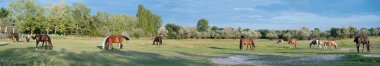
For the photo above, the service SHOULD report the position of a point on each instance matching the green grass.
(184, 52)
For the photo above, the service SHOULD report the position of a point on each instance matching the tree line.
(202, 30)
(76, 19)
(29, 17)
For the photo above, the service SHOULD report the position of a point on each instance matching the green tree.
(202, 25)
(148, 21)
(26, 14)
(173, 31)
(82, 19)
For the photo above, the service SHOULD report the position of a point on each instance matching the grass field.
(185, 52)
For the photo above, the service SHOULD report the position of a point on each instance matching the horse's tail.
(126, 38)
(104, 42)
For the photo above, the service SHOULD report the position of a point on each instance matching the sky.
(253, 14)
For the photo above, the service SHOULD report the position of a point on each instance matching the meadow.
(185, 52)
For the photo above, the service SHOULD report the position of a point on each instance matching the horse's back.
(247, 41)
(292, 41)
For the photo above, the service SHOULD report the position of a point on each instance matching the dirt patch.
(272, 59)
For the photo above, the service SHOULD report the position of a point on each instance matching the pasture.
(185, 52)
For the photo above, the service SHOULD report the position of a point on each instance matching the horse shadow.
(17, 56)
(221, 48)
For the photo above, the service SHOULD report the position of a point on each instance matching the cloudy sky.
(254, 14)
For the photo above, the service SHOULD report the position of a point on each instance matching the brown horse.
(114, 39)
(362, 40)
(27, 38)
(316, 42)
(330, 43)
(293, 42)
(45, 39)
(157, 40)
(247, 42)
(14, 37)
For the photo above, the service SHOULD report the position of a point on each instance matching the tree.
(26, 14)
(364, 31)
(82, 19)
(173, 31)
(272, 35)
(202, 25)
(148, 21)
(304, 33)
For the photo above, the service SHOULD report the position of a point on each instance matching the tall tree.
(82, 18)
(202, 25)
(148, 21)
(25, 14)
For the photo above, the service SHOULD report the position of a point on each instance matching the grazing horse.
(362, 40)
(27, 38)
(114, 39)
(293, 42)
(280, 41)
(247, 42)
(14, 37)
(157, 40)
(316, 42)
(44, 39)
(330, 43)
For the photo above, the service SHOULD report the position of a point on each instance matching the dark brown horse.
(247, 42)
(114, 39)
(293, 42)
(27, 38)
(157, 40)
(45, 39)
(362, 40)
(14, 37)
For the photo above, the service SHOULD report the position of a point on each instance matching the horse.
(27, 38)
(293, 42)
(247, 42)
(44, 39)
(330, 43)
(362, 40)
(14, 37)
(280, 41)
(114, 39)
(157, 40)
(316, 42)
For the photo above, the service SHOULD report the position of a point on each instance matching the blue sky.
(254, 14)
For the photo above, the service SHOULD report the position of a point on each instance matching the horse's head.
(33, 37)
(126, 38)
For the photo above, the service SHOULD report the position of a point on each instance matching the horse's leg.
(357, 46)
(37, 44)
(310, 45)
(368, 47)
(251, 46)
(240, 45)
(154, 42)
(160, 42)
(363, 48)
(121, 45)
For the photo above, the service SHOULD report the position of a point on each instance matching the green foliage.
(3, 12)
(148, 21)
(202, 25)
(173, 31)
